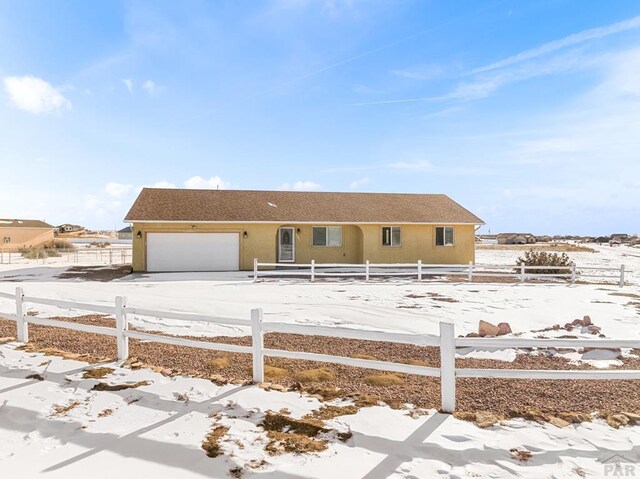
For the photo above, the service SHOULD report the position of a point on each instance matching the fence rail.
(420, 270)
(110, 255)
(445, 341)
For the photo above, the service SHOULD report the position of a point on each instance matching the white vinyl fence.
(446, 341)
(109, 255)
(422, 270)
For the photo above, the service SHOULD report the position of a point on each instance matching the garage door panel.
(193, 252)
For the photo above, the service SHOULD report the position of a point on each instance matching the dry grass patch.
(105, 413)
(118, 387)
(314, 375)
(415, 362)
(272, 372)
(219, 363)
(211, 443)
(364, 356)
(292, 435)
(385, 379)
(329, 412)
(97, 373)
(35, 376)
(64, 410)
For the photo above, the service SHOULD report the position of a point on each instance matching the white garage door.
(193, 252)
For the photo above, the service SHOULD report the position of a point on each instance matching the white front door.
(286, 245)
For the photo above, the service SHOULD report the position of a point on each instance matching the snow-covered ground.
(152, 432)
(393, 305)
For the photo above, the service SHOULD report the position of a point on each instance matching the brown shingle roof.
(154, 204)
(15, 223)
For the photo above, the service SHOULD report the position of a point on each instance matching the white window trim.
(391, 238)
(326, 238)
(444, 237)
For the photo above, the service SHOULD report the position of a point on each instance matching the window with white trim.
(444, 236)
(326, 235)
(7, 239)
(391, 236)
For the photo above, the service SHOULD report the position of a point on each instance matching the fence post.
(573, 273)
(313, 270)
(366, 271)
(255, 269)
(470, 277)
(110, 256)
(621, 275)
(258, 344)
(522, 272)
(21, 323)
(448, 367)
(419, 270)
(122, 325)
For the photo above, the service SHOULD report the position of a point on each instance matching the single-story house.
(69, 228)
(17, 234)
(125, 233)
(224, 230)
(516, 238)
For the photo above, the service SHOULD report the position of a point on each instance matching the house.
(516, 238)
(224, 230)
(125, 233)
(68, 228)
(17, 234)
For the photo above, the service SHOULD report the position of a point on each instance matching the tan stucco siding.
(23, 237)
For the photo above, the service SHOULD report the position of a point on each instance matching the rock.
(136, 365)
(633, 417)
(278, 387)
(166, 372)
(617, 420)
(7, 339)
(574, 417)
(555, 327)
(586, 321)
(237, 382)
(577, 322)
(264, 385)
(557, 422)
(473, 335)
(218, 379)
(568, 326)
(485, 419)
(504, 328)
(593, 329)
(487, 329)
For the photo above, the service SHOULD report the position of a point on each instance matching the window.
(444, 236)
(327, 236)
(7, 239)
(391, 236)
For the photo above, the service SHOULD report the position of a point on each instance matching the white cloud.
(35, 95)
(150, 87)
(357, 184)
(301, 186)
(576, 38)
(129, 84)
(422, 72)
(200, 183)
(163, 184)
(117, 190)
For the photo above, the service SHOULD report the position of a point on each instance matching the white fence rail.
(421, 270)
(446, 341)
(109, 255)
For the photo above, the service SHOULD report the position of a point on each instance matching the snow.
(151, 433)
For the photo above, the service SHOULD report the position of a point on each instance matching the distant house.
(224, 230)
(68, 228)
(17, 234)
(125, 233)
(516, 238)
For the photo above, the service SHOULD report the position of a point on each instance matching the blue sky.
(527, 113)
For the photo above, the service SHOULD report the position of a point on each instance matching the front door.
(286, 245)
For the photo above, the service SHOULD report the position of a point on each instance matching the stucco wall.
(359, 243)
(23, 237)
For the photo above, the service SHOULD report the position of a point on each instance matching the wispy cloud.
(421, 72)
(35, 95)
(359, 183)
(568, 41)
(118, 190)
(129, 84)
(427, 166)
(150, 87)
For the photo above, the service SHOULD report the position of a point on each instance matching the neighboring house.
(17, 234)
(516, 238)
(125, 233)
(68, 228)
(224, 230)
